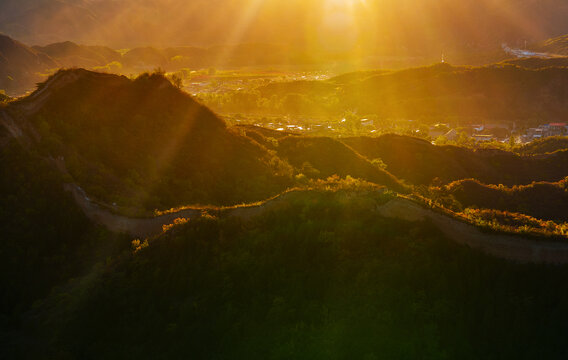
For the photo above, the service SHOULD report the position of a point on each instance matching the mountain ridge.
(20, 65)
(159, 140)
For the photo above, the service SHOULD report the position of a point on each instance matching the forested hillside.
(323, 276)
(46, 239)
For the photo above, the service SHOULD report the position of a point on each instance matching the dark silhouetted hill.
(538, 62)
(145, 143)
(557, 45)
(20, 66)
(324, 269)
(542, 200)
(46, 239)
(69, 54)
(420, 162)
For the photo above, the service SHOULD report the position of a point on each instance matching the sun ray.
(246, 18)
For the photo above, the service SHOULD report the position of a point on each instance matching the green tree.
(177, 80)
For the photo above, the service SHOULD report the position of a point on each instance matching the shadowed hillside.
(46, 239)
(542, 200)
(145, 143)
(321, 157)
(546, 145)
(557, 45)
(20, 65)
(538, 63)
(323, 276)
(420, 162)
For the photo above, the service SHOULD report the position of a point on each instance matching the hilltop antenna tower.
(443, 58)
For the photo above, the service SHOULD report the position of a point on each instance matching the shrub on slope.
(322, 157)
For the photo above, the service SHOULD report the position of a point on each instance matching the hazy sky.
(331, 25)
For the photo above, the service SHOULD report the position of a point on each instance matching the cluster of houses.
(479, 133)
(317, 128)
(291, 128)
(499, 132)
(547, 130)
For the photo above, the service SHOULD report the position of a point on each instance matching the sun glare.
(339, 30)
(348, 2)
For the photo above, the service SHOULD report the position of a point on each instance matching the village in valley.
(440, 133)
(219, 89)
(501, 132)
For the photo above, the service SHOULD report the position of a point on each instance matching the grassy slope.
(331, 157)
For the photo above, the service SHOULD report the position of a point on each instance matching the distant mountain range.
(22, 66)
(535, 93)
